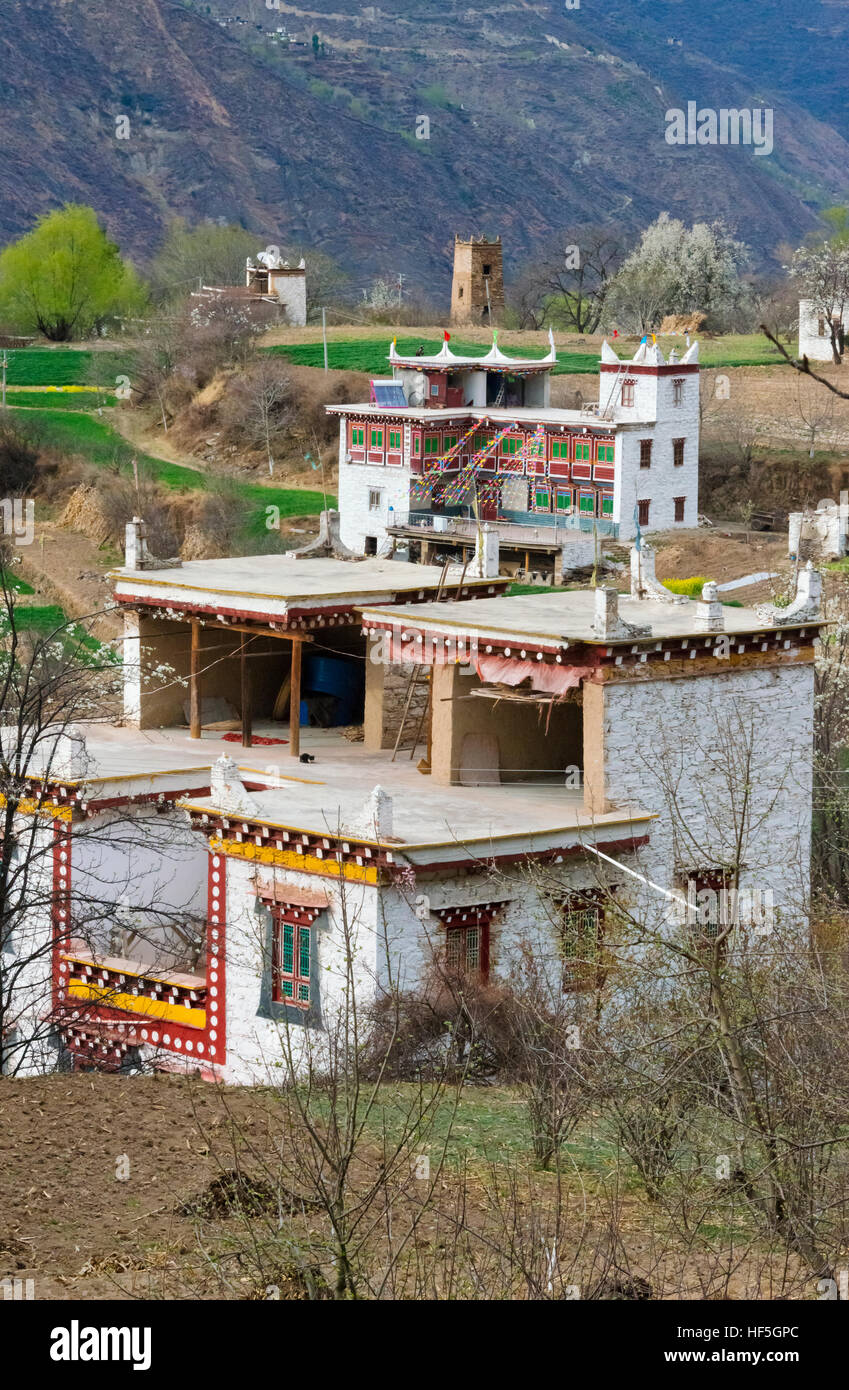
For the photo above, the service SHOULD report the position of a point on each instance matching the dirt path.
(67, 568)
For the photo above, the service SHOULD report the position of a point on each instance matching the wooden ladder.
(420, 675)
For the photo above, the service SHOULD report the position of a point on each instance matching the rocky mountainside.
(303, 123)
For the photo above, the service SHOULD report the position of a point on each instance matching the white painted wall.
(812, 343)
(688, 727)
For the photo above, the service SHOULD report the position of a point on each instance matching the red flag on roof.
(447, 336)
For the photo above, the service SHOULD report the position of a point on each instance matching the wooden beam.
(295, 700)
(194, 683)
(245, 674)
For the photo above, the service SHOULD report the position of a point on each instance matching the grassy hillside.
(94, 439)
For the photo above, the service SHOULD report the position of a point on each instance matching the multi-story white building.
(449, 440)
(502, 824)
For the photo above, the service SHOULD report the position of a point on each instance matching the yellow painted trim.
(139, 1004)
(282, 776)
(287, 859)
(30, 807)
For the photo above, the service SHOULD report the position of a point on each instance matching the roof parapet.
(806, 605)
(607, 624)
(710, 614)
(644, 582)
(227, 791)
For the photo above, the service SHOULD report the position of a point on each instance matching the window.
(628, 393)
(678, 391)
(487, 270)
(679, 507)
(395, 439)
(417, 445)
(434, 390)
(645, 453)
(587, 503)
(463, 949)
(643, 512)
(467, 937)
(583, 451)
(375, 499)
(582, 921)
(542, 498)
(376, 439)
(431, 443)
(460, 292)
(821, 329)
(678, 452)
(358, 438)
(511, 446)
(450, 442)
(291, 955)
(607, 504)
(710, 908)
(560, 449)
(564, 499)
(606, 453)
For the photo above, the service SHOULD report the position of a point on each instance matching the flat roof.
(331, 793)
(272, 585)
(563, 618)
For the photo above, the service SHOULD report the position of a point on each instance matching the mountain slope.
(539, 118)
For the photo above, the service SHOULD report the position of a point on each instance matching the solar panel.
(388, 393)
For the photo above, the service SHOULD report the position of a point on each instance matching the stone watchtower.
(477, 291)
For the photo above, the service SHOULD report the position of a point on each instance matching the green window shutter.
(588, 504)
(607, 506)
(288, 954)
(304, 953)
(542, 497)
(417, 446)
(564, 501)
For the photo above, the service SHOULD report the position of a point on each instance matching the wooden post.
(295, 700)
(244, 671)
(194, 683)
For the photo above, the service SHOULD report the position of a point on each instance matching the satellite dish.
(273, 251)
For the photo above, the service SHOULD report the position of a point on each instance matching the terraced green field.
(94, 439)
(64, 366)
(369, 354)
(59, 400)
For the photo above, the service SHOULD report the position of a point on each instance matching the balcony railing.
(128, 986)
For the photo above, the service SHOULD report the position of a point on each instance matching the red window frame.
(467, 938)
(643, 510)
(580, 971)
(627, 398)
(680, 504)
(645, 453)
(291, 951)
(678, 452)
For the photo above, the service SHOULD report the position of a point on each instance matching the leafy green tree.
(65, 278)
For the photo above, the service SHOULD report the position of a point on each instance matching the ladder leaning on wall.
(420, 676)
